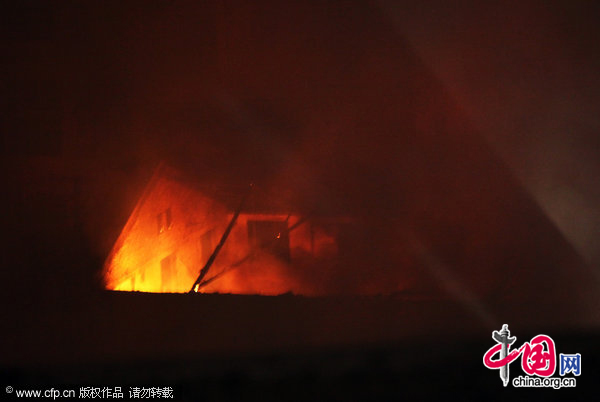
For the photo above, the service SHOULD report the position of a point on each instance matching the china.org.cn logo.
(538, 361)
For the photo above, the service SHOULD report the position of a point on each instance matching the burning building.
(175, 229)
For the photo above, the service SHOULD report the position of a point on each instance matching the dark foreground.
(238, 348)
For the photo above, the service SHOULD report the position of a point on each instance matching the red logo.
(538, 356)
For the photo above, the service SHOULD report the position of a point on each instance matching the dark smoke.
(327, 105)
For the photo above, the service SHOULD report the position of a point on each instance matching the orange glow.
(174, 229)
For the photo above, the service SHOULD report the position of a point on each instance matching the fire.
(175, 228)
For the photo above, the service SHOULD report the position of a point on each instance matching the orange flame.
(174, 229)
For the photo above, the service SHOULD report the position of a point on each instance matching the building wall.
(174, 230)
(160, 249)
